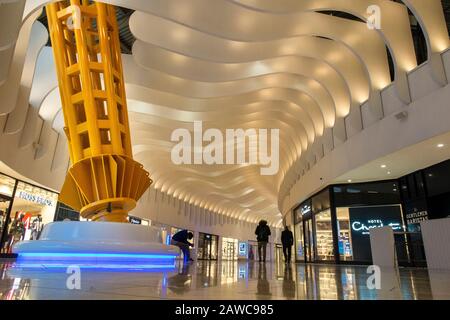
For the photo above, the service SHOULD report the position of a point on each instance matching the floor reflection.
(224, 280)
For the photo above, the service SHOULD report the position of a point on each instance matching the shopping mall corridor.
(221, 280)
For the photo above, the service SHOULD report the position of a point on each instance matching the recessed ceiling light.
(349, 180)
(383, 166)
(389, 172)
(441, 145)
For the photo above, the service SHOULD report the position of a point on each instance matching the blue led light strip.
(95, 255)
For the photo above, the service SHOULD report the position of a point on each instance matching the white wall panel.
(436, 240)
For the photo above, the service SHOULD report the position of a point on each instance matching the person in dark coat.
(287, 239)
(262, 236)
(181, 240)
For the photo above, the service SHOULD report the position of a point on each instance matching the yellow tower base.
(104, 182)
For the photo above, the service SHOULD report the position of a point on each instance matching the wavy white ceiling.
(246, 64)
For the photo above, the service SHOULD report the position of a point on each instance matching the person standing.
(287, 239)
(262, 236)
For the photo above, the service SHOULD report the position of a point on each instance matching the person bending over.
(181, 240)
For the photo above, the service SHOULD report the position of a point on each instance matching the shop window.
(354, 225)
(229, 249)
(310, 250)
(207, 246)
(32, 208)
(344, 234)
(299, 242)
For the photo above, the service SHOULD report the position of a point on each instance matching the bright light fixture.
(441, 145)
(349, 180)
(383, 166)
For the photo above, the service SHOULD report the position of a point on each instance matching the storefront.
(207, 246)
(333, 226)
(24, 210)
(243, 250)
(229, 249)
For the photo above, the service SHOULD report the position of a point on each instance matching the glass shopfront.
(301, 214)
(309, 239)
(229, 249)
(324, 236)
(313, 229)
(322, 233)
(24, 210)
(361, 207)
(340, 232)
(207, 246)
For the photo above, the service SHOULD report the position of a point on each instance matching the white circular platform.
(96, 242)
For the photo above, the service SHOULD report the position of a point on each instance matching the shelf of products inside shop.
(325, 249)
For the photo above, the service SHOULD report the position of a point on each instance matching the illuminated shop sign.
(134, 220)
(417, 217)
(305, 209)
(364, 227)
(35, 198)
(242, 248)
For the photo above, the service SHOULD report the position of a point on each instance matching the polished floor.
(224, 280)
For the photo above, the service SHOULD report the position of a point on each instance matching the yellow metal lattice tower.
(104, 182)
